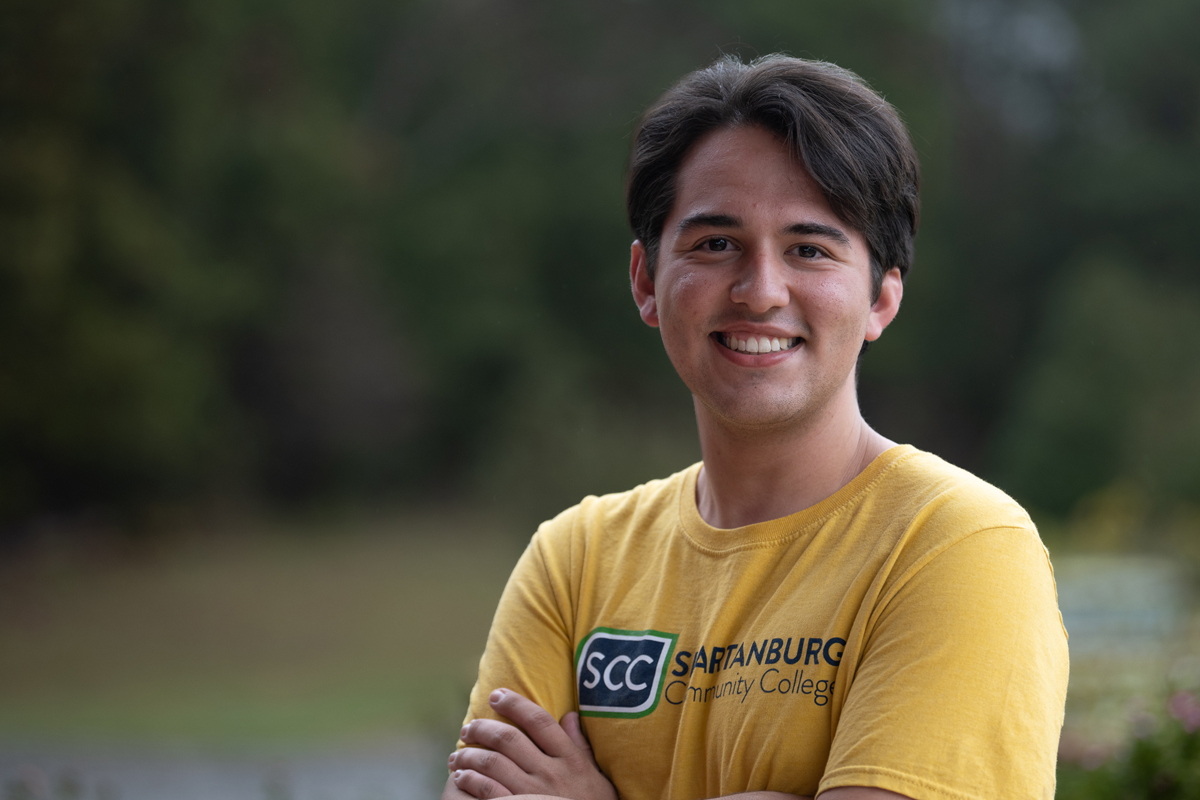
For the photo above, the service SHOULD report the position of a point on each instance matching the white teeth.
(760, 344)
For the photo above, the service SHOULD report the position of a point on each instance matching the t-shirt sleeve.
(961, 687)
(529, 645)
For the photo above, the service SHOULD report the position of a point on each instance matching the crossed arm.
(541, 759)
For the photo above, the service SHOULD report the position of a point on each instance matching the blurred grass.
(352, 629)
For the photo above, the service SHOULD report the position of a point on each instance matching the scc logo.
(619, 673)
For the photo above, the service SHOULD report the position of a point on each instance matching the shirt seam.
(547, 578)
(791, 536)
(932, 556)
(837, 778)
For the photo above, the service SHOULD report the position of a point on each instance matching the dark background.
(284, 252)
(311, 310)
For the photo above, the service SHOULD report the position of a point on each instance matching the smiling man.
(812, 609)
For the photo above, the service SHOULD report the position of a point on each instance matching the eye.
(716, 245)
(808, 251)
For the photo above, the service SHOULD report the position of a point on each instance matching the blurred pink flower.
(1184, 707)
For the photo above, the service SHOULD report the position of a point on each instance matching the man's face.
(762, 295)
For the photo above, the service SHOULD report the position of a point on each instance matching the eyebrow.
(817, 229)
(708, 221)
(795, 229)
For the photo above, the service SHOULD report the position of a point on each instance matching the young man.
(812, 609)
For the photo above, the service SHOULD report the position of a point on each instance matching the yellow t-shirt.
(903, 633)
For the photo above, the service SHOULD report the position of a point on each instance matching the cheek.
(841, 307)
(685, 299)
(684, 286)
(686, 305)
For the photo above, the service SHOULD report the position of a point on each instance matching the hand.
(538, 757)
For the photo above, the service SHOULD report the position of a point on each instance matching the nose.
(761, 284)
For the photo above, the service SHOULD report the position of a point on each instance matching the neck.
(757, 475)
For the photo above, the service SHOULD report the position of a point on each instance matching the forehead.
(747, 172)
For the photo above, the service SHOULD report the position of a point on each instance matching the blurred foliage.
(276, 249)
(1110, 392)
(1162, 762)
(252, 631)
(1114, 390)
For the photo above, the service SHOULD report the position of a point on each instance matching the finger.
(538, 724)
(504, 739)
(574, 731)
(478, 786)
(492, 765)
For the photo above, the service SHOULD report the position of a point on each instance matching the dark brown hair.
(848, 137)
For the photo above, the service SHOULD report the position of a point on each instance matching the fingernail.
(450, 760)
(497, 696)
(457, 773)
(463, 733)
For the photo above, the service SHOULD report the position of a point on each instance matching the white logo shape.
(628, 663)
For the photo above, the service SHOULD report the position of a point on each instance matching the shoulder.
(959, 649)
(613, 517)
(935, 492)
(964, 554)
(934, 506)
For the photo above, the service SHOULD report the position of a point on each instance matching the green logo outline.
(660, 679)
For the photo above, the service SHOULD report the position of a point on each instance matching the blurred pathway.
(1134, 638)
(406, 771)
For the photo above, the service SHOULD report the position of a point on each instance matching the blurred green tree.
(113, 307)
(288, 249)
(1110, 386)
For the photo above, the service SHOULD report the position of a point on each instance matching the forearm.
(452, 792)
(742, 796)
(844, 793)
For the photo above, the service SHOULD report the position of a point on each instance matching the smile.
(756, 344)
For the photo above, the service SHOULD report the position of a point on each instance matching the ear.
(642, 284)
(885, 308)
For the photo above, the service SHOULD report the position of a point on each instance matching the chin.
(757, 414)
